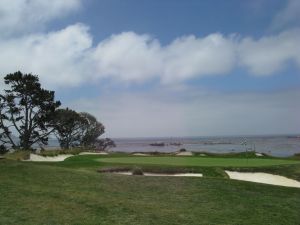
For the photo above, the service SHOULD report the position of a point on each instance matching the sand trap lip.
(184, 153)
(264, 178)
(39, 158)
(164, 174)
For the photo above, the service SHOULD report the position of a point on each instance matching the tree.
(27, 110)
(104, 144)
(91, 130)
(69, 127)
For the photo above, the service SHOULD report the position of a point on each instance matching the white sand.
(39, 158)
(258, 154)
(264, 178)
(93, 153)
(184, 153)
(164, 174)
(140, 154)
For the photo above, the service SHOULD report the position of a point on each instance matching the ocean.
(282, 146)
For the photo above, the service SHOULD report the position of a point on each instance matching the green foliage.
(68, 126)
(28, 109)
(104, 144)
(77, 129)
(91, 130)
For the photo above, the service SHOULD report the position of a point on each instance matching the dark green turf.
(197, 161)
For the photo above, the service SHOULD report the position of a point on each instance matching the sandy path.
(164, 174)
(264, 178)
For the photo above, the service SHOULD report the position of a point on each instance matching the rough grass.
(36, 193)
(18, 155)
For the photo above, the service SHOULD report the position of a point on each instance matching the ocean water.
(272, 145)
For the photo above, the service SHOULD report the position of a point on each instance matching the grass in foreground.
(35, 193)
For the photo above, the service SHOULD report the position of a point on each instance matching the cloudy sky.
(163, 68)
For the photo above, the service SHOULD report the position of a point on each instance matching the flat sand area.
(164, 174)
(264, 178)
(184, 153)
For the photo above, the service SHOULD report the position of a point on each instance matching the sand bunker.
(59, 158)
(264, 178)
(164, 174)
(140, 154)
(184, 153)
(39, 158)
(93, 153)
(258, 154)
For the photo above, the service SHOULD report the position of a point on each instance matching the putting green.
(197, 161)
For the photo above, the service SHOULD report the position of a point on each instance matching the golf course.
(86, 189)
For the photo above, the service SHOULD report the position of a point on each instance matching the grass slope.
(61, 193)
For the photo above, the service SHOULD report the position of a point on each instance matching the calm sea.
(272, 145)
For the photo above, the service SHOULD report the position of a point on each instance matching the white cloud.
(129, 56)
(58, 57)
(23, 16)
(131, 115)
(189, 57)
(67, 57)
(271, 54)
(288, 16)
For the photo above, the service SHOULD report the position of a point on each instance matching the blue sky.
(163, 68)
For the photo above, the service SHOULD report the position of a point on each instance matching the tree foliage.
(104, 144)
(69, 127)
(26, 110)
(91, 129)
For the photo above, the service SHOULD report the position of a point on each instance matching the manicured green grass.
(37, 193)
(198, 161)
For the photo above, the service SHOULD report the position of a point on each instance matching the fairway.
(198, 161)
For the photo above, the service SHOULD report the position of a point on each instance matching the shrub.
(3, 150)
(18, 155)
(182, 150)
(137, 171)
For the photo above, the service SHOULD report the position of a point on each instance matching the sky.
(163, 68)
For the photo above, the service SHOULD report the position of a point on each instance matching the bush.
(18, 155)
(182, 150)
(3, 150)
(137, 171)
